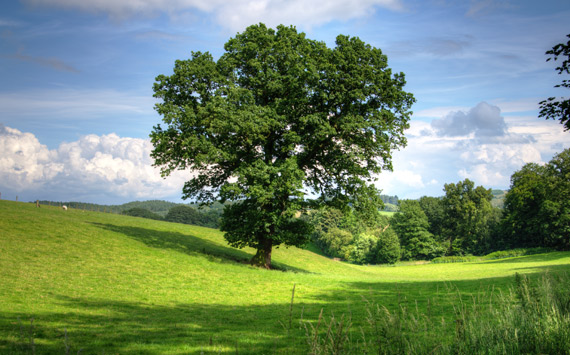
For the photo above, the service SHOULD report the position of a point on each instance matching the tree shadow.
(438, 297)
(131, 327)
(99, 326)
(190, 244)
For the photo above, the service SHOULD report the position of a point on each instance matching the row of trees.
(463, 221)
(208, 217)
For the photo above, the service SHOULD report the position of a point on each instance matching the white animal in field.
(64, 207)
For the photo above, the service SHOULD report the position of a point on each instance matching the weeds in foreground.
(532, 318)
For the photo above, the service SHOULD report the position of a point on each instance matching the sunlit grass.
(129, 285)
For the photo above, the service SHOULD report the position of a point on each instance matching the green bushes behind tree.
(189, 215)
(142, 212)
(354, 237)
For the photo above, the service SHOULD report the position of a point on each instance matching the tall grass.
(533, 317)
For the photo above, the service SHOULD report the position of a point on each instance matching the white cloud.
(107, 167)
(24, 162)
(238, 14)
(458, 147)
(401, 182)
(56, 115)
(483, 120)
(482, 175)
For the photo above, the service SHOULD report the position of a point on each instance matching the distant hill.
(498, 198)
(157, 206)
(390, 203)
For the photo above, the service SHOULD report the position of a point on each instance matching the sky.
(76, 104)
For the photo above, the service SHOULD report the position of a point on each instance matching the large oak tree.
(275, 118)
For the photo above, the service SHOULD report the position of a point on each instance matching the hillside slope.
(119, 284)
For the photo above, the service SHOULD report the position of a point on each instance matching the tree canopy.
(553, 108)
(469, 218)
(537, 206)
(275, 118)
(412, 227)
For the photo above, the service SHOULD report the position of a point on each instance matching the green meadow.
(99, 283)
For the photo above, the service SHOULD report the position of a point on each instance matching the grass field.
(103, 283)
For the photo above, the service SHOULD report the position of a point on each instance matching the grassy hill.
(107, 283)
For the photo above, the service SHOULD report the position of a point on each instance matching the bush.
(142, 212)
(455, 259)
(362, 249)
(335, 242)
(189, 215)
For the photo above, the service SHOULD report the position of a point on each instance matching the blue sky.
(76, 104)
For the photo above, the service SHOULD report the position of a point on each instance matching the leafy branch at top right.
(553, 108)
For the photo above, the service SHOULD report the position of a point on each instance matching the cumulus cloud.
(235, 15)
(483, 120)
(94, 167)
(476, 143)
(24, 162)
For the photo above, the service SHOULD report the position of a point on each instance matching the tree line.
(536, 213)
(205, 216)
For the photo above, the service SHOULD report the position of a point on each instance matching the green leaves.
(552, 108)
(469, 217)
(537, 206)
(278, 115)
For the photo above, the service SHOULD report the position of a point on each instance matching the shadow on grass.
(97, 326)
(119, 327)
(440, 296)
(189, 244)
(129, 327)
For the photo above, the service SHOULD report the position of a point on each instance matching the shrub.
(142, 212)
(362, 249)
(189, 215)
(455, 259)
(411, 224)
(335, 242)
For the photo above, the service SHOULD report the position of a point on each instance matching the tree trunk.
(262, 257)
